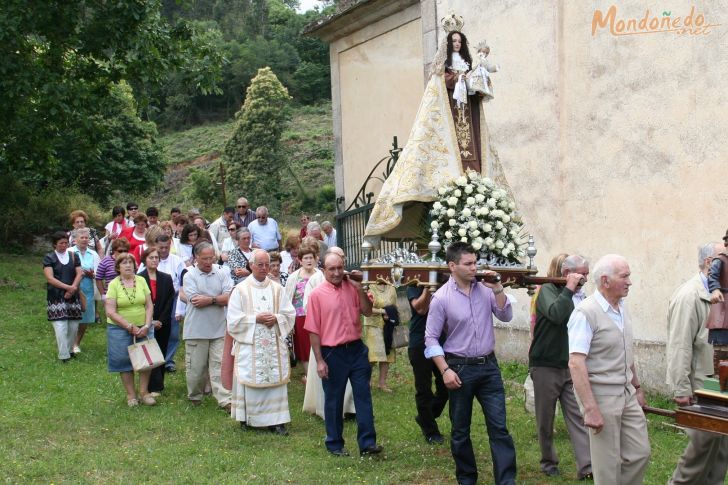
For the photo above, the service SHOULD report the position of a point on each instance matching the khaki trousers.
(203, 357)
(704, 460)
(549, 385)
(621, 450)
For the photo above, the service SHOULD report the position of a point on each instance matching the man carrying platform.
(689, 361)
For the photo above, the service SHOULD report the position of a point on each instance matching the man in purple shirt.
(462, 309)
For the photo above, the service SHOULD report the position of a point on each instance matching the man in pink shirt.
(332, 320)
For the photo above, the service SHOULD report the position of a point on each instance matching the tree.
(63, 63)
(254, 153)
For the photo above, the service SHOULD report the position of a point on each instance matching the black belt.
(457, 360)
(344, 346)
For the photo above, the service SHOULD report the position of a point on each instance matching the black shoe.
(371, 450)
(279, 429)
(66, 361)
(349, 416)
(552, 472)
(340, 452)
(588, 476)
(435, 439)
(171, 368)
(244, 426)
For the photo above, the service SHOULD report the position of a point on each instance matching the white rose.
(466, 212)
(479, 197)
(487, 181)
(499, 244)
(462, 232)
(511, 205)
(473, 224)
(457, 193)
(488, 241)
(481, 189)
(505, 252)
(477, 245)
(511, 246)
(451, 213)
(464, 239)
(448, 235)
(487, 227)
(484, 211)
(491, 202)
(452, 201)
(468, 189)
(442, 191)
(452, 222)
(461, 180)
(437, 206)
(434, 225)
(504, 231)
(475, 233)
(472, 175)
(479, 239)
(506, 218)
(498, 225)
(470, 201)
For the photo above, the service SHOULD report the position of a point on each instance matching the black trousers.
(429, 405)
(156, 379)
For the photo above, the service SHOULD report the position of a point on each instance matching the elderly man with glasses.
(244, 215)
(265, 232)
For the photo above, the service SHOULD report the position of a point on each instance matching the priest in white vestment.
(259, 319)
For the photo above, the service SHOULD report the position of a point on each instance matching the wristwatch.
(214, 300)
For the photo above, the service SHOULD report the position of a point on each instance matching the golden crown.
(452, 23)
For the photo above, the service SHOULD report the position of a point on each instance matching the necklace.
(129, 297)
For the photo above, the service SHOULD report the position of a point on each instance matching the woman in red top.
(135, 234)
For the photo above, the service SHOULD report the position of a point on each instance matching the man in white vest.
(259, 319)
(601, 361)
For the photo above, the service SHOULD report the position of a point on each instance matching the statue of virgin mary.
(448, 138)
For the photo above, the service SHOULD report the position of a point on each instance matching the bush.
(27, 213)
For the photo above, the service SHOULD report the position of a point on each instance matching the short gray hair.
(260, 252)
(705, 251)
(573, 262)
(263, 209)
(312, 226)
(240, 232)
(326, 224)
(82, 230)
(201, 246)
(606, 266)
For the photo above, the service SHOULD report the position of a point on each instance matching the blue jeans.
(482, 382)
(348, 362)
(173, 343)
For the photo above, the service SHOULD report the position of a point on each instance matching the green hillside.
(309, 144)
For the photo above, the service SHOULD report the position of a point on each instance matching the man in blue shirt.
(265, 231)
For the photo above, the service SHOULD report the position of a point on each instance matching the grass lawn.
(70, 423)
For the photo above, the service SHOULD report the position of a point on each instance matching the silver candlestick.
(531, 251)
(366, 247)
(434, 246)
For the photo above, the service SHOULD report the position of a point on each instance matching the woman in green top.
(129, 309)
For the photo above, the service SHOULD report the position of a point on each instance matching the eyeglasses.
(261, 265)
(262, 217)
(232, 228)
(133, 208)
(242, 206)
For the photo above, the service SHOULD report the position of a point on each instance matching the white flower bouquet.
(475, 210)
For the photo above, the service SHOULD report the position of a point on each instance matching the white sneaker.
(76, 349)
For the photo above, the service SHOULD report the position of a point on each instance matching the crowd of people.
(252, 305)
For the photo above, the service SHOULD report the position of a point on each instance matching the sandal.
(148, 400)
(385, 389)
(132, 403)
